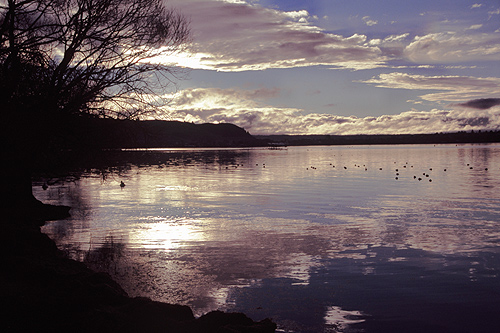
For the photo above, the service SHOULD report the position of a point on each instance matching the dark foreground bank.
(41, 290)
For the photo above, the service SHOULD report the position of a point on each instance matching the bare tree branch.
(87, 56)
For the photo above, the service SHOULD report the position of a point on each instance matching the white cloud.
(476, 5)
(475, 27)
(233, 1)
(456, 88)
(396, 38)
(368, 21)
(450, 47)
(240, 107)
(239, 36)
(493, 12)
(297, 15)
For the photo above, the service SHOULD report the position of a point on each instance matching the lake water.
(320, 239)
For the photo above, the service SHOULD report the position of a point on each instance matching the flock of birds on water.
(425, 175)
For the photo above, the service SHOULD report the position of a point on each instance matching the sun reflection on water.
(165, 234)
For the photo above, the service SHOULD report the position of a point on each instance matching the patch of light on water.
(174, 188)
(341, 319)
(165, 234)
(369, 270)
(299, 267)
(221, 298)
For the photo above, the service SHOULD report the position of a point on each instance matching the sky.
(340, 67)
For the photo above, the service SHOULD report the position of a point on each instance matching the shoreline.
(45, 291)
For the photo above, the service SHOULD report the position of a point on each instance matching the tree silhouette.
(61, 60)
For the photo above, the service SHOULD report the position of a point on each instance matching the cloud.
(200, 98)
(452, 47)
(395, 38)
(481, 104)
(297, 15)
(476, 5)
(368, 21)
(240, 36)
(494, 12)
(475, 27)
(243, 35)
(240, 107)
(456, 88)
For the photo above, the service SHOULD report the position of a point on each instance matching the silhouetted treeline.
(436, 138)
(94, 133)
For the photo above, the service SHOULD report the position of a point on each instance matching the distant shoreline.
(95, 133)
(381, 139)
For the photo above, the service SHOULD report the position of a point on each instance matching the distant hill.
(90, 133)
(112, 133)
(307, 140)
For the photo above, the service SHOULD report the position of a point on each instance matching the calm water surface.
(320, 239)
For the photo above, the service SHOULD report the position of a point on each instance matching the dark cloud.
(481, 103)
(475, 122)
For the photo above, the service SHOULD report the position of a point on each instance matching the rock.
(218, 321)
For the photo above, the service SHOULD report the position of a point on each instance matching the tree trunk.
(20, 203)
(19, 140)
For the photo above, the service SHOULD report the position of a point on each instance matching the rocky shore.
(41, 290)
